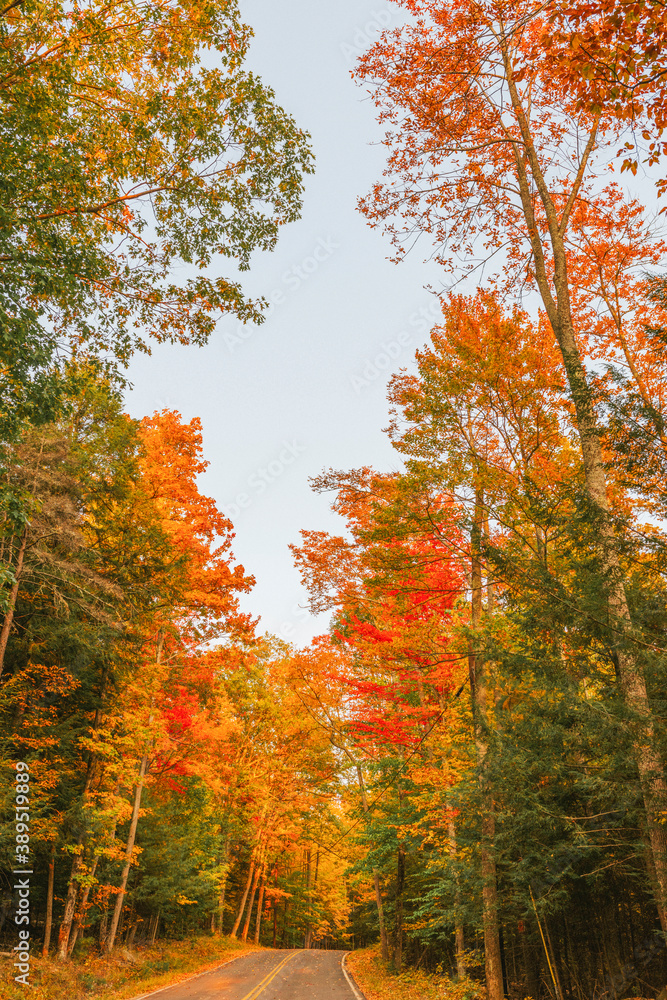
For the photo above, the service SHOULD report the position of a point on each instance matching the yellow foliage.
(379, 983)
(117, 978)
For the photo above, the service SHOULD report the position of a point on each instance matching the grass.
(378, 982)
(119, 977)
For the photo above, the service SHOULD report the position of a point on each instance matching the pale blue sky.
(306, 390)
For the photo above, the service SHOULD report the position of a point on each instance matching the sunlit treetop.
(136, 152)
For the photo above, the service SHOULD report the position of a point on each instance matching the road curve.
(268, 975)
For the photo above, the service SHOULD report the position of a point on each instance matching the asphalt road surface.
(268, 975)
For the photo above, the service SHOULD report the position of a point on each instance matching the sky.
(306, 390)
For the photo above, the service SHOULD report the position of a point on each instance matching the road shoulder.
(353, 984)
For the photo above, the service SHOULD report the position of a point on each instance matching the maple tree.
(392, 614)
(486, 145)
(493, 485)
(175, 707)
(612, 55)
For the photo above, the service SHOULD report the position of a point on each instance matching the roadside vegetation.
(378, 981)
(123, 975)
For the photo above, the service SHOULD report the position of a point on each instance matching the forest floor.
(125, 975)
(378, 982)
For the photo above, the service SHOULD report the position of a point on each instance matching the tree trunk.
(631, 674)
(558, 985)
(239, 915)
(134, 821)
(400, 882)
(13, 594)
(80, 917)
(309, 868)
(131, 936)
(104, 925)
(260, 903)
(254, 862)
(459, 939)
(223, 887)
(246, 925)
(129, 848)
(49, 902)
(70, 903)
(478, 682)
(221, 906)
(559, 311)
(384, 945)
(492, 954)
(275, 921)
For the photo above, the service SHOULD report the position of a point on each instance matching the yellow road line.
(260, 987)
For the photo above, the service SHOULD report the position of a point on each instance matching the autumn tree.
(201, 605)
(612, 55)
(133, 141)
(392, 585)
(487, 146)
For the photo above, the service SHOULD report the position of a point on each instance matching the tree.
(393, 584)
(612, 55)
(133, 142)
(202, 605)
(486, 143)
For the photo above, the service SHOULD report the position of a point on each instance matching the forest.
(467, 769)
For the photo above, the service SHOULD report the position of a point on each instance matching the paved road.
(269, 975)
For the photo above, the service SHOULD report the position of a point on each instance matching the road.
(269, 975)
